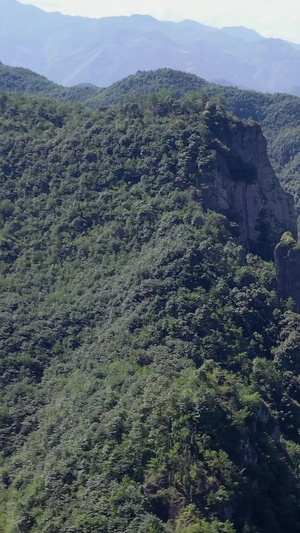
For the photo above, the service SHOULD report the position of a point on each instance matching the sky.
(270, 18)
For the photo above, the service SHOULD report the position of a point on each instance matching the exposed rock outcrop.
(244, 186)
(287, 261)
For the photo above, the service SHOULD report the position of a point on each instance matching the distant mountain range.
(72, 50)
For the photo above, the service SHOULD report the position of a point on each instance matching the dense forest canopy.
(149, 372)
(277, 113)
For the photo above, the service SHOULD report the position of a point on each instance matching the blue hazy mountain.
(71, 50)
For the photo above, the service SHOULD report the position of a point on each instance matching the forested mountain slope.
(22, 80)
(71, 50)
(149, 373)
(278, 114)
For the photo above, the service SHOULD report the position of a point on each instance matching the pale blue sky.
(271, 18)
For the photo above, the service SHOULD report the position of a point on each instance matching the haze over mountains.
(71, 50)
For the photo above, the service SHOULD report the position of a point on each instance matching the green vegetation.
(149, 375)
(277, 113)
(22, 80)
(287, 239)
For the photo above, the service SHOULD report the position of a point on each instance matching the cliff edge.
(287, 261)
(243, 185)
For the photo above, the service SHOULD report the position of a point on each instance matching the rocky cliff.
(244, 186)
(287, 260)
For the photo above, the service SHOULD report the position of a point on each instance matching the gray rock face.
(247, 452)
(287, 261)
(244, 186)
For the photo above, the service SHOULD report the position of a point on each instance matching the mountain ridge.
(276, 113)
(101, 51)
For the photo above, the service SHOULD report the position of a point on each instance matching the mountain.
(21, 80)
(149, 370)
(72, 50)
(245, 34)
(277, 113)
